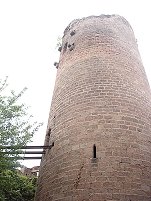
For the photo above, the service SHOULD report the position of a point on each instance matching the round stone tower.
(100, 117)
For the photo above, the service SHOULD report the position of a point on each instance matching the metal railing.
(16, 150)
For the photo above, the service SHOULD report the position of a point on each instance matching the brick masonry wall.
(102, 98)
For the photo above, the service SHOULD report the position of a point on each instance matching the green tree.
(16, 130)
(16, 187)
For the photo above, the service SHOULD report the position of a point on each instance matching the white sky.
(28, 37)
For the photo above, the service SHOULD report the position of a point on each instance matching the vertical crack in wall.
(90, 188)
(78, 176)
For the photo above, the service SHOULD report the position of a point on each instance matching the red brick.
(101, 97)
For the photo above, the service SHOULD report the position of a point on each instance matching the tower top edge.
(101, 17)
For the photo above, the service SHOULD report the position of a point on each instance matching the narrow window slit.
(94, 151)
(49, 132)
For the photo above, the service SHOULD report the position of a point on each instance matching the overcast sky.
(28, 37)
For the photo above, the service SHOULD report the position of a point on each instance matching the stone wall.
(100, 117)
(29, 172)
